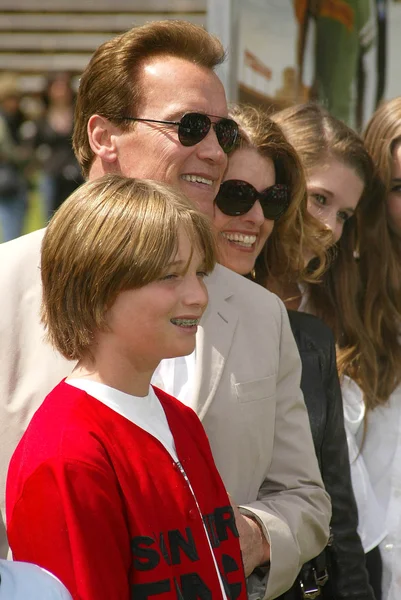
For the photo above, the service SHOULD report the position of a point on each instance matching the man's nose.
(210, 149)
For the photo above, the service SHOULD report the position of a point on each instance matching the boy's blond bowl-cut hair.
(112, 234)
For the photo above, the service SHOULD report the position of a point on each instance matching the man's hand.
(254, 546)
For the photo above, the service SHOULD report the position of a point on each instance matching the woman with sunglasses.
(264, 231)
(343, 191)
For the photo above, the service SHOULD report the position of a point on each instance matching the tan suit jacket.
(246, 392)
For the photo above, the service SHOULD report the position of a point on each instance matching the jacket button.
(192, 514)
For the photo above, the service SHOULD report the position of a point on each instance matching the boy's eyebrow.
(175, 263)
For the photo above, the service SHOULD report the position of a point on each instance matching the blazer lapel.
(213, 341)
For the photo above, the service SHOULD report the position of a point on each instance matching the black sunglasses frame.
(185, 130)
(232, 201)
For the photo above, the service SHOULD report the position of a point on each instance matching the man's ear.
(101, 138)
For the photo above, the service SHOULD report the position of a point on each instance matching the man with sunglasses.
(150, 106)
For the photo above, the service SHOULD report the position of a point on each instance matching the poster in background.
(342, 53)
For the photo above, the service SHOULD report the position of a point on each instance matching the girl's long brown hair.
(380, 257)
(340, 299)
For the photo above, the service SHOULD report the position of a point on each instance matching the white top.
(382, 456)
(175, 376)
(24, 581)
(372, 515)
(148, 413)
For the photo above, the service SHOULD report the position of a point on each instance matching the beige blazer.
(246, 392)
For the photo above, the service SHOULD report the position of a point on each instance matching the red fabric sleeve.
(69, 519)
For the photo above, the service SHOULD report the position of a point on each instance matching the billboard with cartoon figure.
(342, 53)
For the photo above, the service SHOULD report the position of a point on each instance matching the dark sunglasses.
(194, 127)
(237, 197)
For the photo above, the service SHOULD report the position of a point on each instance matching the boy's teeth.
(242, 240)
(185, 322)
(196, 179)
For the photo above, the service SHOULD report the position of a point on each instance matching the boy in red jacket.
(113, 487)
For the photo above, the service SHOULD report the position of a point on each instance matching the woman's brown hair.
(112, 234)
(339, 299)
(380, 257)
(296, 233)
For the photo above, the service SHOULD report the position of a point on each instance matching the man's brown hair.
(112, 234)
(111, 83)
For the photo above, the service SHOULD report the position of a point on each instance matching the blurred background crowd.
(38, 168)
(44, 47)
(342, 53)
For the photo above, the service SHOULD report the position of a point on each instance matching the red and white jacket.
(99, 502)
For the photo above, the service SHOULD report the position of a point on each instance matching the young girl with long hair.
(345, 194)
(380, 271)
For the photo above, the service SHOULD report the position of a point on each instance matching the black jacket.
(348, 578)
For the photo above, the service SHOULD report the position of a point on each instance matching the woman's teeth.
(185, 322)
(246, 241)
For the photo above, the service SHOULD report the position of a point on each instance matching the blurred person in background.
(13, 157)
(60, 170)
